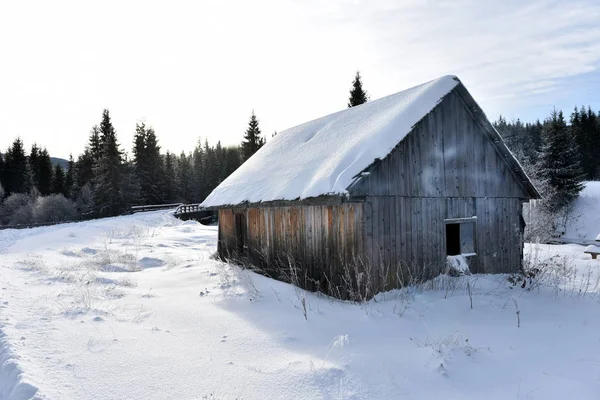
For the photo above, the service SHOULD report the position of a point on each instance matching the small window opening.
(452, 239)
(460, 238)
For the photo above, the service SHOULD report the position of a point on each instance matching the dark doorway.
(452, 239)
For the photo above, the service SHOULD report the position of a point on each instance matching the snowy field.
(134, 308)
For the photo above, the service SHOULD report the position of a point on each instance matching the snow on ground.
(134, 307)
(585, 223)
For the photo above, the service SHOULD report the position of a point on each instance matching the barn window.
(460, 236)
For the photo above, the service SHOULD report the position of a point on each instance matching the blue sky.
(199, 68)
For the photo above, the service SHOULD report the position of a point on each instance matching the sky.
(196, 69)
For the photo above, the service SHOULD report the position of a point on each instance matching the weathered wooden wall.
(446, 168)
(446, 155)
(318, 240)
(408, 234)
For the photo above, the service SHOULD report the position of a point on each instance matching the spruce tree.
(252, 138)
(2, 173)
(94, 144)
(84, 168)
(108, 171)
(152, 187)
(34, 163)
(185, 178)
(199, 174)
(17, 175)
(170, 186)
(58, 181)
(560, 166)
(44, 173)
(358, 96)
(148, 164)
(70, 178)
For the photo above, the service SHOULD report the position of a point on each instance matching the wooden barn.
(371, 197)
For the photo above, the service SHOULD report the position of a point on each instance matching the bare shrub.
(54, 208)
(558, 273)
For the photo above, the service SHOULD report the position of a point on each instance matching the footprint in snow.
(223, 338)
(97, 319)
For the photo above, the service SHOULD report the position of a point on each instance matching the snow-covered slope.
(585, 221)
(323, 156)
(134, 308)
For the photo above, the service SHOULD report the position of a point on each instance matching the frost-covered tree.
(53, 209)
(17, 209)
(358, 95)
(252, 138)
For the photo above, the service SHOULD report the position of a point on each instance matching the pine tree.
(70, 178)
(185, 178)
(17, 175)
(233, 160)
(34, 164)
(58, 181)
(170, 187)
(84, 168)
(358, 96)
(44, 173)
(2, 175)
(252, 138)
(94, 144)
(130, 186)
(148, 164)
(108, 172)
(199, 174)
(152, 188)
(560, 166)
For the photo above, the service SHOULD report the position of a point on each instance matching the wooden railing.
(180, 209)
(154, 207)
(187, 208)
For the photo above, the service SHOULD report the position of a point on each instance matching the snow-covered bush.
(17, 209)
(54, 208)
(85, 200)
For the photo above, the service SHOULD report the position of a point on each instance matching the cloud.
(199, 68)
(506, 50)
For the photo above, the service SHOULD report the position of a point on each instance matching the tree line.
(559, 155)
(103, 181)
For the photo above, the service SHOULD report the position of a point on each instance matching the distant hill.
(55, 160)
(60, 161)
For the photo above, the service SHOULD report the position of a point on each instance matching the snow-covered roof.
(323, 156)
